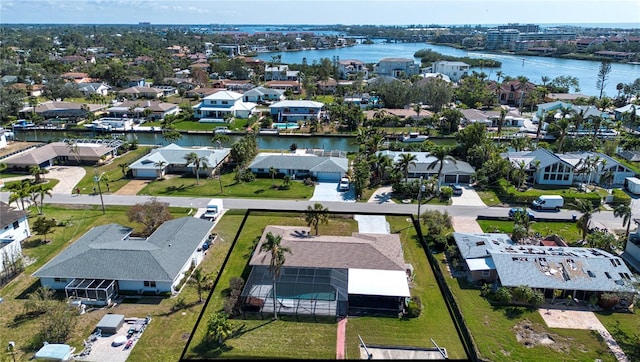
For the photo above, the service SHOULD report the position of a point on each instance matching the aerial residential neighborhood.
(185, 192)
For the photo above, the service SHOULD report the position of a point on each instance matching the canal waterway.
(532, 67)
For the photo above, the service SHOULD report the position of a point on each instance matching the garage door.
(450, 179)
(329, 176)
(464, 179)
(145, 173)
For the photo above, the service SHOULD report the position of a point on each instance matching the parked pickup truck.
(214, 207)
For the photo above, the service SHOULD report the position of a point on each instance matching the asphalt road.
(605, 218)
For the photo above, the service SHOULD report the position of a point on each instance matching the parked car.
(514, 210)
(548, 202)
(344, 184)
(457, 189)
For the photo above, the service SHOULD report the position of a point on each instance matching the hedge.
(507, 193)
(620, 197)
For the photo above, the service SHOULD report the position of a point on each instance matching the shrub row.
(508, 194)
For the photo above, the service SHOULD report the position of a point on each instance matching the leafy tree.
(219, 328)
(43, 226)
(587, 208)
(245, 149)
(316, 215)
(58, 323)
(603, 76)
(151, 214)
(198, 162)
(602, 240)
(471, 135)
(361, 174)
(220, 139)
(437, 226)
(39, 300)
(12, 102)
(272, 245)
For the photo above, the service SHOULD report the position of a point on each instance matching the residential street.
(605, 218)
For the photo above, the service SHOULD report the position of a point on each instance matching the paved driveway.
(328, 191)
(469, 197)
(372, 224)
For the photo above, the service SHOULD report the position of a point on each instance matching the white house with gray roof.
(220, 105)
(579, 272)
(396, 67)
(263, 94)
(329, 275)
(453, 172)
(107, 259)
(544, 167)
(322, 168)
(295, 110)
(14, 228)
(171, 159)
(453, 70)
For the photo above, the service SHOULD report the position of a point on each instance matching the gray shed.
(110, 323)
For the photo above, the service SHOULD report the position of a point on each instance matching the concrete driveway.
(372, 224)
(469, 197)
(328, 191)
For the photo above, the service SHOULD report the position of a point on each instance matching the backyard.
(286, 338)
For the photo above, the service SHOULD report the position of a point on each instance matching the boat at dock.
(414, 137)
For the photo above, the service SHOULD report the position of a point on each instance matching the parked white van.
(548, 202)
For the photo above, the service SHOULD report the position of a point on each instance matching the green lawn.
(261, 187)
(494, 329)
(567, 231)
(112, 172)
(286, 338)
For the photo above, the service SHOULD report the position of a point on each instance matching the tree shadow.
(30, 289)
(630, 344)
(511, 312)
(257, 192)
(171, 189)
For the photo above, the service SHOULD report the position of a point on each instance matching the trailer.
(632, 185)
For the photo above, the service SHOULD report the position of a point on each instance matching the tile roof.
(360, 251)
(37, 156)
(107, 252)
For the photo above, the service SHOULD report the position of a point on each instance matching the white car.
(344, 184)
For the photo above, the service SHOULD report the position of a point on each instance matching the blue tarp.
(55, 352)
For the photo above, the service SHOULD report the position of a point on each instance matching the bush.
(414, 307)
(620, 197)
(608, 300)
(247, 176)
(445, 193)
(502, 296)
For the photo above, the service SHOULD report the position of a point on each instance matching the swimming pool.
(289, 125)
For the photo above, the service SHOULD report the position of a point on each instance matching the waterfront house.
(280, 72)
(14, 228)
(453, 70)
(577, 272)
(329, 275)
(141, 92)
(320, 168)
(89, 89)
(627, 111)
(285, 85)
(631, 252)
(351, 68)
(295, 110)
(218, 106)
(546, 168)
(458, 172)
(108, 259)
(79, 152)
(68, 112)
(135, 109)
(396, 67)
(171, 159)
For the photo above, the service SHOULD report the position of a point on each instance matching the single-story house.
(578, 272)
(14, 227)
(284, 85)
(547, 168)
(88, 89)
(220, 105)
(87, 152)
(107, 259)
(491, 118)
(171, 159)
(70, 110)
(329, 275)
(263, 94)
(141, 92)
(453, 172)
(322, 168)
(628, 110)
(631, 156)
(632, 250)
(136, 108)
(295, 110)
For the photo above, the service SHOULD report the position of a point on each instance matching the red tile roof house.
(329, 275)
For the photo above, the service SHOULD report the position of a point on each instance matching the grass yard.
(208, 187)
(494, 330)
(286, 338)
(567, 231)
(112, 172)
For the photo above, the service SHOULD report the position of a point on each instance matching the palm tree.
(503, 115)
(417, 108)
(316, 215)
(563, 128)
(199, 280)
(19, 191)
(220, 139)
(74, 150)
(441, 153)
(219, 327)
(198, 162)
(124, 167)
(272, 245)
(41, 192)
(624, 211)
(272, 173)
(37, 172)
(406, 160)
(587, 209)
(596, 122)
(160, 166)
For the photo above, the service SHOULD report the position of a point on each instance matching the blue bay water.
(534, 68)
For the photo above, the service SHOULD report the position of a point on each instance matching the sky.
(347, 12)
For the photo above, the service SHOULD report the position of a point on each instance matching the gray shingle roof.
(297, 162)
(107, 252)
(36, 156)
(424, 159)
(360, 251)
(174, 155)
(9, 215)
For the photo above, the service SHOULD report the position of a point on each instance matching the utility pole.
(96, 179)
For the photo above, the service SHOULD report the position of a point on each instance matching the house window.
(225, 102)
(16, 224)
(151, 284)
(486, 273)
(60, 280)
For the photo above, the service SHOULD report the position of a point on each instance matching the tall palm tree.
(406, 160)
(596, 123)
(503, 115)
(316, 215)
(587, 209)
(272, 173)
(19, 191)
(160, 166)
(41, 192)
(441, 153)
(197, 162)
(563, 128)
(624, 211)
(417, 108)
(272, 245)
(123, 167)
